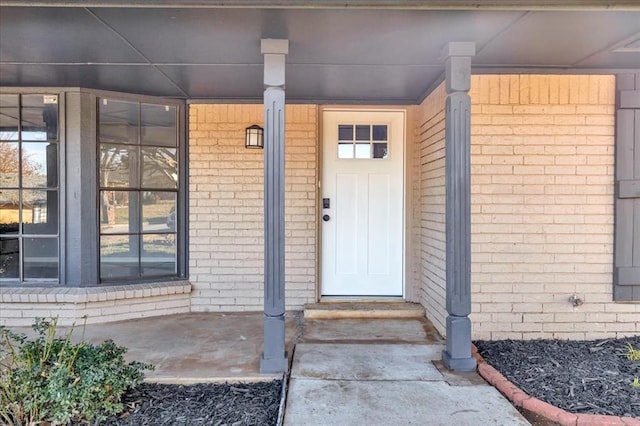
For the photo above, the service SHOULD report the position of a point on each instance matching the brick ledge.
(92, 294)
(521, 399)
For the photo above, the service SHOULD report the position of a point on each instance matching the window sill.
(104, 293)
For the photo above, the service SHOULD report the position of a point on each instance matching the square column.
(457, 355)
(274, 358)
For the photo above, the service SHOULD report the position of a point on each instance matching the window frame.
(180, 230)
(59, 188)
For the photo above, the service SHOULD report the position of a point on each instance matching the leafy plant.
(52, 379)
(636, 383)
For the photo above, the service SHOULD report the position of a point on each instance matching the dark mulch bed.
(590, 377)
(202, 404)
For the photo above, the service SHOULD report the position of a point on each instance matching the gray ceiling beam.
(348, 4)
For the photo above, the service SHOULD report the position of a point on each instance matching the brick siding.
(429, 206)
(542, 155)
(20, 306)
(226, 208)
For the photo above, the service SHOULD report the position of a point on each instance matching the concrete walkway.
(385, 372)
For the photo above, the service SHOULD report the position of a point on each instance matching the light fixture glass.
(254, 137)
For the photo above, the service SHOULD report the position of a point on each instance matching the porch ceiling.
(336, 55)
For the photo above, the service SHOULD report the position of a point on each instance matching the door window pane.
(40, 257)
(119, 122)
(380, 150)
(345, 150)
(345, 132)
(9, 258)
(363, 133)
(363, 150)
(159, 126)
(160, 168)
(158, 254)
(9, 164)
(119, 256)
(379, 132)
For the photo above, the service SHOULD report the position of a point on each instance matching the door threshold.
(361, 299)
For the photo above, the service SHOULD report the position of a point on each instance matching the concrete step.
(365, 310)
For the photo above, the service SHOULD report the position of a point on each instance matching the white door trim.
(403, 214)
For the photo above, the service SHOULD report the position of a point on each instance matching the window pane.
(118, 212)
(158, 211)
(118, 122)
(9, 258)
(160, 168)
(159, 125)
(380, 133)
(40, 257)
(119, 256)
(9, 117)
(363, 133)
(363, 150)
(345, 150)
(380, 150)
(158, 254)
(9, 211)
(39, 117)
(345, 133)
(9, 158)
(39, 212)
(39, 165)
(118, 166)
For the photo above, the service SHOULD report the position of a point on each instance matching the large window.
(138, 189)
(29, 227)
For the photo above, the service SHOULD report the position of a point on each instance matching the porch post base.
(273, 359)
(457, 355)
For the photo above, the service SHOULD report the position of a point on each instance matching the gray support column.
(80, 262)
(274, 358)
(457, 355)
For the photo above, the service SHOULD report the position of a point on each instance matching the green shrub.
(52, 379)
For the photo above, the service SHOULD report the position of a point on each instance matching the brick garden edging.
(521, 399)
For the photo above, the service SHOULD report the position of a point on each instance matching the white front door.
(362, 203)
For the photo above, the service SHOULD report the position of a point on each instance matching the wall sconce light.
(254, 137)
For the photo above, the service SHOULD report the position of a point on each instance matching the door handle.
(326, 218)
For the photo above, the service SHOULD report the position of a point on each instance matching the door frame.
(408, 274)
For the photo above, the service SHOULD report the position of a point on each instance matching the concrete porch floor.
(196, 347)
(216, 347)
(344, 371)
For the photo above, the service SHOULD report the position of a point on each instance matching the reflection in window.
(370, 141)
(138, 189)
(29, 187)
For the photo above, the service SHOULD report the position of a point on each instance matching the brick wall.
(226, 207)
(429, 206)
(542, 208)
(20, 306)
